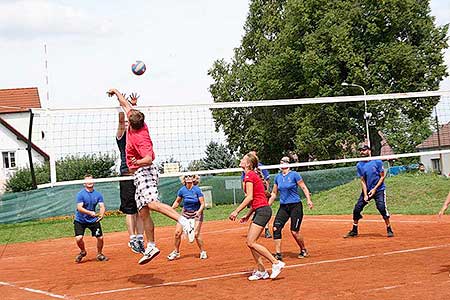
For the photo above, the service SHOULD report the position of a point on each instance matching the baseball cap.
(363, 147)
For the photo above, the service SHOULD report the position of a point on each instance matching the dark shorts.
(262, 216)
(95, 228)
(293, 211)
(127, 197)
(190, 214)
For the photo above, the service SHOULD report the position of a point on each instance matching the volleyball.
(138, 68)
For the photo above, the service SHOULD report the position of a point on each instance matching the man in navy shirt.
(86, 217)
(372, 177)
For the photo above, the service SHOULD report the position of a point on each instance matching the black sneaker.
(101, 257)
(141, 246)
(80, 256)
(303, 254)
(278, 256)
(351, 233)
(267, 234)
(134, 245)
(390, 233)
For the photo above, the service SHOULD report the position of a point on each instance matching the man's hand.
(133, 99)
(372, 192)
(233, 215)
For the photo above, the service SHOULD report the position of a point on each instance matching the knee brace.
(277, 227)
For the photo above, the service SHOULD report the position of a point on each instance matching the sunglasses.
(188, 176)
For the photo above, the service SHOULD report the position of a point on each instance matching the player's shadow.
(147, 279)
(291, 255)
(444, 269)
(370, 235)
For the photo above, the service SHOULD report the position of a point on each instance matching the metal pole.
(29, 150)
(234, 196)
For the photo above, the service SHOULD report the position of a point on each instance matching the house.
(439, 163)
(14, 124)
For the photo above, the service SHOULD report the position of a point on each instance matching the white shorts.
(146, 181)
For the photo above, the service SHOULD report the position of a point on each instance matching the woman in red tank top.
(256, 198)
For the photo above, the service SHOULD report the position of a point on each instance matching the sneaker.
(101, 257)
(276, 269)
(173, 255)
(134, 246)
(203, 255)
(390, 233)
(257, 275)
(149, 254)
(303, 253)
(267, 234)
(80, 256)
(351, 233)
(189, 230)
(141, 246)
(278, 256)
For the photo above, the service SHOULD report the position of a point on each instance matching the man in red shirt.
(140, 157)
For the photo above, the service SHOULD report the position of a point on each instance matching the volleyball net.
(317, 133)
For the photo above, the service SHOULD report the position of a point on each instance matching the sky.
(91, 46)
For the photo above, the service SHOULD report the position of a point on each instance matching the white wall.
(426, 160)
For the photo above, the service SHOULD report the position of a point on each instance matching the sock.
(140, 237)
(132, 237)
(183, 221)
(151, 244)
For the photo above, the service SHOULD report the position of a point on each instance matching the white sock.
(151, 244)
(132, 237)
(183, 221)
(140, 237)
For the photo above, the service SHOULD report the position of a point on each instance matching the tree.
(307, 48)
(218, 157)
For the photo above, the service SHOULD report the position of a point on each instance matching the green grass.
(406, 194)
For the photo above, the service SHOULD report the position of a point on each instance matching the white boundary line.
(33, 290)
(372, 221)
(242, 273)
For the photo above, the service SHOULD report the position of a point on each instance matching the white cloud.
(25, 19)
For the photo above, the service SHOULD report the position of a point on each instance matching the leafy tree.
(196, 165)
(218, 157)
(307, 48)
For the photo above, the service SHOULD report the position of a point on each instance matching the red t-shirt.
(259, 196)
(139, 144)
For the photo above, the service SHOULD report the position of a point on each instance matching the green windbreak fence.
(60, 201)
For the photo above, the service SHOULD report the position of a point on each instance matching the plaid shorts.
(146, 181)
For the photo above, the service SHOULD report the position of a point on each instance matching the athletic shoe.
(149, 254)
(173, 255)
(80, 256)
(141, 246)
(101, 257)
(134, 246)
(267, 234)
(303, 253)
(351, 233)
(257, 275)
(203, 255)
(189, 230)
(276, 269)
(278, 256)
(390, 233)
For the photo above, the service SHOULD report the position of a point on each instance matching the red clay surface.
(413, 264)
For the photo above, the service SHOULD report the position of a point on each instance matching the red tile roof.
(19, 100)
(432, 141)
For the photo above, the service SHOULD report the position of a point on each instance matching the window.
(9, 160)
(436, 165)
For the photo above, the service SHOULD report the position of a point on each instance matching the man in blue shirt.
(372, 177)
(86, 217)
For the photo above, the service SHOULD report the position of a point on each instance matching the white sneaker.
(173, 255)
(149, 254)
(189, 230)
(276, 269)
(257, 275)
(203, 255)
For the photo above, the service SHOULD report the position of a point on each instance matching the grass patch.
(406, 194)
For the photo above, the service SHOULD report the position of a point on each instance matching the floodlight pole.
(366, 114)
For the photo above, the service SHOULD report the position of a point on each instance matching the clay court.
(413, 264)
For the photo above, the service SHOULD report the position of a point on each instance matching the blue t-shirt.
(264, 172)
(190, 197)
(121, 143)
(287, 185)
(90, 201)
(370, 171)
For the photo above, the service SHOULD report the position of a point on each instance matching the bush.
(68, 168)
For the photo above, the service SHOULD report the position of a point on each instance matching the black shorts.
(294, 211)
(95, 228)
(127, 197)
(262, 216)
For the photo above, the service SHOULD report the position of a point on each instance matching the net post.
(51, 147)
